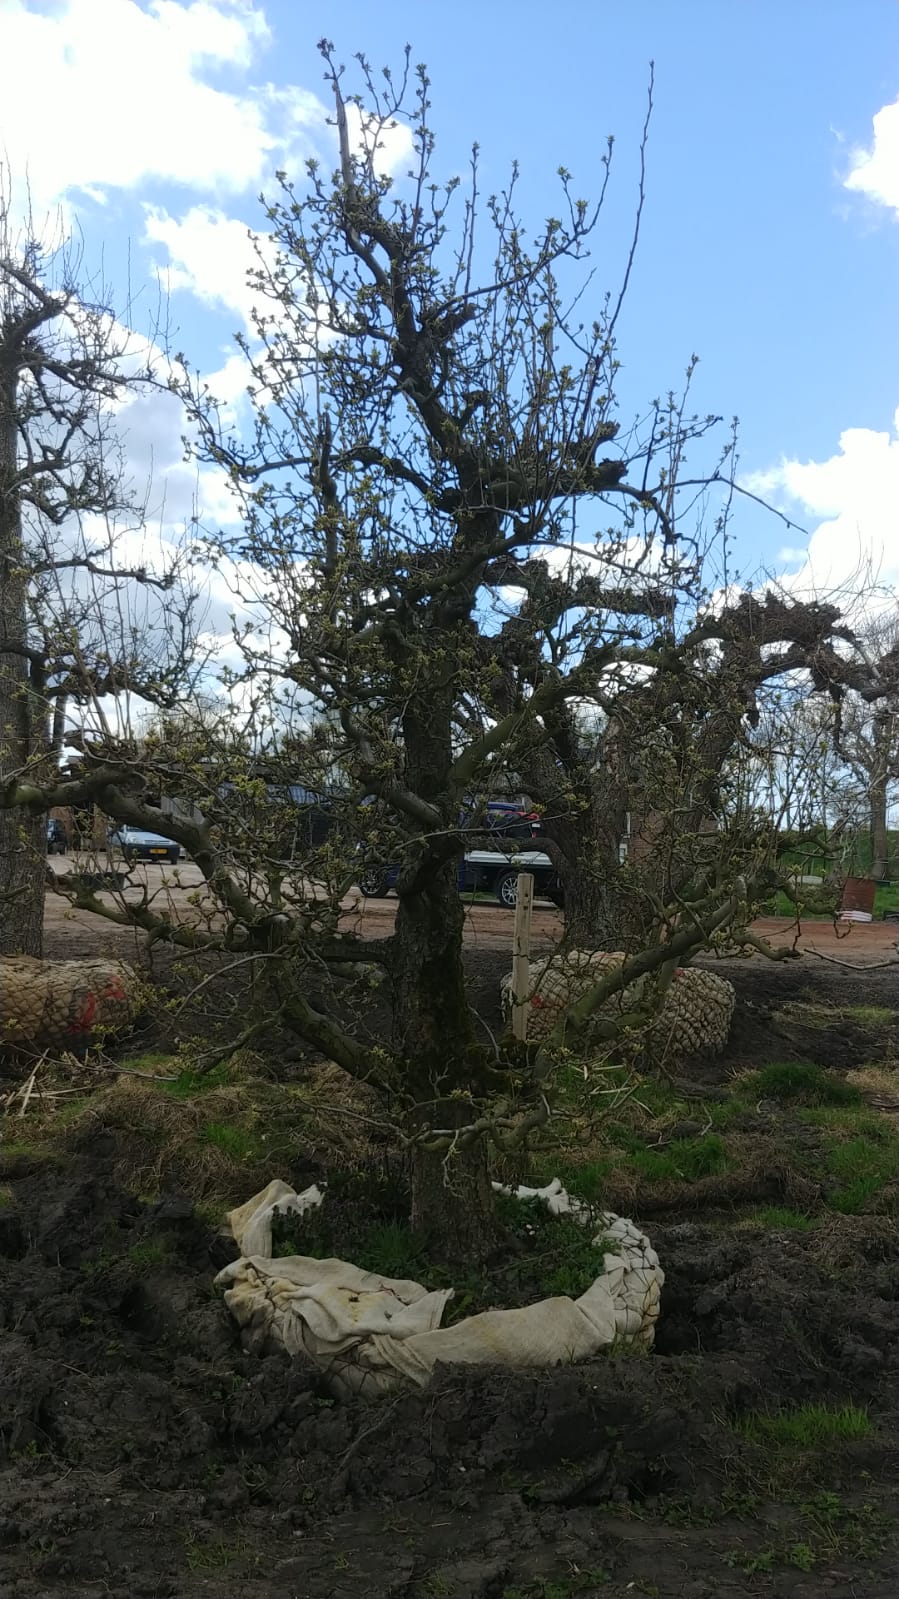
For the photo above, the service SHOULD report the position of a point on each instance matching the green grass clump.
(15, 1150)
(854, 1198)
(684, 1159)
(723, 1113)
(658, 1095)
(862, 1168)
(870, 1015)
(857, 1119)
(235, 1141)
(212, 1554)
(800, 1082)
(680, 1160)
(391, 1250)
(779, 1218)
(807, 1427)
(189, 1082)
(546, 1256)
(561, 1588)
(148, 1255)
(154, 1061)
(589, 1181)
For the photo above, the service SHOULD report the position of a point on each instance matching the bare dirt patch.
(144, 1453)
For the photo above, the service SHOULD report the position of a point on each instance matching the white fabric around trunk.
(373, 1333)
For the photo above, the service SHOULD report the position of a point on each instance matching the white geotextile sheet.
(372, 1333)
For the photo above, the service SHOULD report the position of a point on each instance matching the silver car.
(136, 844)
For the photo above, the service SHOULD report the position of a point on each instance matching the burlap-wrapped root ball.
(64, 1004)
(694, 1019)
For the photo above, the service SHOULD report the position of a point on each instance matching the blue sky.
(769, 247)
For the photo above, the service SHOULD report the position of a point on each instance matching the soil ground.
(71, 933)
(144, 1453)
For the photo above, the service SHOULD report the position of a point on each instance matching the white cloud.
(210, 254)
(854, 495)
(388, 143)
(97, 95)
(875, 172)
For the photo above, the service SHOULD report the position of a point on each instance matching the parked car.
(292, 818)
(136, 844)
(315, 817)
(500, 850)
(57, 843)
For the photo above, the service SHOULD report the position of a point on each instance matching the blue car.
(493, 864)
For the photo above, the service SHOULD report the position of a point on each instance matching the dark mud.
(144, 1455)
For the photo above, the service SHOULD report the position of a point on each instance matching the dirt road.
(71, 933)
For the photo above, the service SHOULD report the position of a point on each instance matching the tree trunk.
(594, 915)
(432, 1025)
(452, 1201)
(878, 793)
(22, 837)
(584, 847)
(584, 823)
(880, 838)
(23, 874)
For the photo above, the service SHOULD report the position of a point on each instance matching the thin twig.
(131, 1071)
(852, 966)
(29, 1090)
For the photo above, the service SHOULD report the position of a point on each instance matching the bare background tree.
(78, 623)
(867, 738)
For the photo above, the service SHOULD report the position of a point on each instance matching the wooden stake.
(521, 955)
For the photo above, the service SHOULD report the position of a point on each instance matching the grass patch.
(779, 1218)
(620, 1169)
(148, 1255)
(870, 1015)
(876, 1079)
(6, 1198)
(821, 1018)
(589, 1181)
(156, 1062)
(189, 1082)
(801, 1083)
(219, 1140)
(861, 1167)
(860, 1157)
(546, 1255)
(684, 1159)
(15, 1150)
(859, 1120)
(807, 1427)
(579, 1582)
(724, 1113)
(215, 1553)
(242, 1144)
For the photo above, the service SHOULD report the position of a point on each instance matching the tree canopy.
(459, 565)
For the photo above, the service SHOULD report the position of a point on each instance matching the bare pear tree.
(434, 441)
(76, 623)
